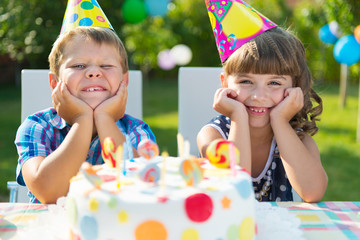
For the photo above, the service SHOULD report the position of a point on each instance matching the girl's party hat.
(234, 23)
(84, 13)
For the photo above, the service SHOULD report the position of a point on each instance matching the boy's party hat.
(84, 13)
(234, 23)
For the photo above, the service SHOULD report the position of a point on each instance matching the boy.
(88, 77)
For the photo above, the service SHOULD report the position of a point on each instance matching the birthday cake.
(161, 197)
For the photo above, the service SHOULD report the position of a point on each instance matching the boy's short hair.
(280, 52)
(97, 34)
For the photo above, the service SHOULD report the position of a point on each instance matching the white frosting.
(219, 207)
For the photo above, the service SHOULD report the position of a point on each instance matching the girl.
(266, 109)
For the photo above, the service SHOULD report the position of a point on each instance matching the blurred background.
(163, 35)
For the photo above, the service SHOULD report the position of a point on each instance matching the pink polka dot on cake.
(199, 207)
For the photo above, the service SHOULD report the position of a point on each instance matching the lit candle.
(119, 156)
(164, 155)
(180, 142)
(232, 159)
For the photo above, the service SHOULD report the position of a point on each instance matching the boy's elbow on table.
(46, 192)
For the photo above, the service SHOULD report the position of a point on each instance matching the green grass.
(9, 122)
(340, 153)
(336, 138)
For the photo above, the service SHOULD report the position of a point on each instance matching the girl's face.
(91, 71)
(260, 93)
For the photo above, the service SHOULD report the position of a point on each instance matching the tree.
(28, 28)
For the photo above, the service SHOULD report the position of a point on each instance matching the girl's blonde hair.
(279, 52)
(98, 34)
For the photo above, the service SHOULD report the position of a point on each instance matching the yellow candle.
(119, 153)
(164, 155)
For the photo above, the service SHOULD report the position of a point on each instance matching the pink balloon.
(165, 60)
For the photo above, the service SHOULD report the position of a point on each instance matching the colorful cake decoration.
(191, 171)
(84, 13)
(148, 149)
(150, 173)
(219, 154)
(234, 23)
(90, 174)
(110, 154)
(113, 157)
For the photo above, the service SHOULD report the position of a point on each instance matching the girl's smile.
(260, 93)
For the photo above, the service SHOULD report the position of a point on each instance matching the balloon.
(181, 54)
(334, 28)
(326, 35)
(357, 33)
(347, 50)
(165, 60)
(134, 11)
(157, 7)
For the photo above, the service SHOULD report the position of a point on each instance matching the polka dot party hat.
(84, 13)
(234, 23)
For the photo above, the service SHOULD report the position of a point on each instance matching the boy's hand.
(291, 104)
(113, 107)
(67, 106)
(225, 103)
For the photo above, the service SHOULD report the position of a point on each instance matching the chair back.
(197, 86)
(36, 92)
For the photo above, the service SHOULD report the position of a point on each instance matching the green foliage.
(145, 40)
(345, 12)
(29, 28)
(189, 20)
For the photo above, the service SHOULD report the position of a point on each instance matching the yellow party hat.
(84, 13)
(234, 23)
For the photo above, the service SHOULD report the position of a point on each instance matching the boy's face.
(92, 72)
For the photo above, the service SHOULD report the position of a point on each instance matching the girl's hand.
(225, 103)
(69, 107)
(292, 103)
(115, 106)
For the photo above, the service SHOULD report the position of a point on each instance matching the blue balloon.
(347, 50)
(157, 7)
(326, 35)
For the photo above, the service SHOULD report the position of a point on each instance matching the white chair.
(36, 95)
(197, 86)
